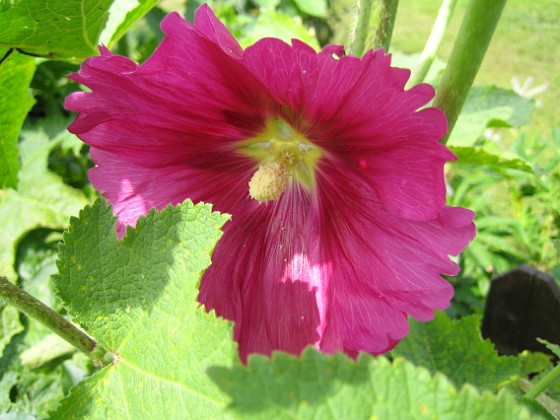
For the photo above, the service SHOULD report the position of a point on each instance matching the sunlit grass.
(526, 43)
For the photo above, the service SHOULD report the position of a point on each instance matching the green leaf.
(456, 349)
(317, 8)
(534, 362)
(335, 387)
(9, 326)
(66, 29)
(489, 107)
(16, 73)
(122, 14)
(274, 24)
(59, 28)
(41, 201)
(475, 155)
(137, 297)
(554, 348)
(267, 4)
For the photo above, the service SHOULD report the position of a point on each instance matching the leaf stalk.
(543, 383)
(37, 310)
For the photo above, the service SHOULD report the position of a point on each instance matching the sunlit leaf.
(137, 297)
(9, 325)
(16, 73)
(41, 201)
(60, 28)
(274, 24)
(317, 8)
(66, 29)
(122, 14)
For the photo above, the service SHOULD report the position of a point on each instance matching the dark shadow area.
(523, 304)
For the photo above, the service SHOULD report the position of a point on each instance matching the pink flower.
(333, 177)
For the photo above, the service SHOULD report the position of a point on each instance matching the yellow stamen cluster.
(284, 155)
(269, 182)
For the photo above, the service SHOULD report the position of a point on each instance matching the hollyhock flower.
(332, 175)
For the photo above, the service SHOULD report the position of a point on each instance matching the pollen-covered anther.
(269, 182)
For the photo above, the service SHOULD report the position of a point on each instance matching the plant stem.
(477, 29)
(361, 28)
(384, 14)
(544, 383)
(36, 309)
(434, 42)
(378, 14)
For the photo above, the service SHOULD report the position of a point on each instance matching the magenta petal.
(206, 21)
(267, 278)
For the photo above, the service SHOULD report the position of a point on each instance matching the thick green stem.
(360, 33)
(473, 39)
(434, 42)
(378, 14)
(383, 18)
(544, 383)
(53, 320)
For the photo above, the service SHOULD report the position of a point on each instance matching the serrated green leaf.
(317, 8)
(66, 29)
(137, 297)
(16, 73)
(335, 387)
(489, 107)
(554, 348)
(456, 349)
(122, 14)
(9, 325)
(41, 201)
(472, 155)
(60, 28)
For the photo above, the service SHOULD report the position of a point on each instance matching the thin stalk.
(37, 310)
(434, 42)
(477, 29)
(543, 383)
(373, 29)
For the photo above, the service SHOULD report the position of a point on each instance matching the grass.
(526, 43)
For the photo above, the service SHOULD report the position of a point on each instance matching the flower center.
(285, 156)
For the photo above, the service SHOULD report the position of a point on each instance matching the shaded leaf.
(16, 73)
(456, 349)
(335, 387)
(489, 107)
(473, 155)
(137, 297)
(42, 199)
(9, 325)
